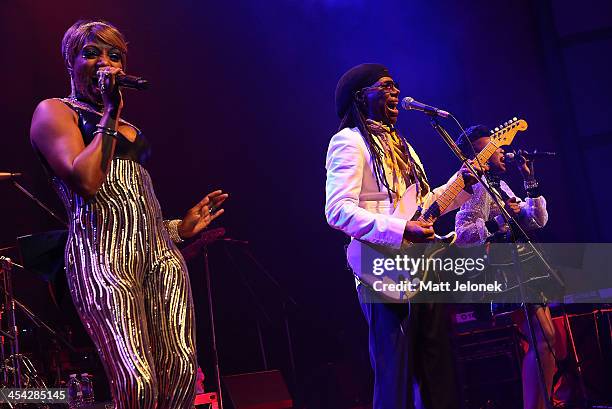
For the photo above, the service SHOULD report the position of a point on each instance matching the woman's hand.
(200, 216)
(109, 90)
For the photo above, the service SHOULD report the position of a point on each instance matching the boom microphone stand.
(286, 299)
(212, 324)
(190, 252)
(201, 245)
(258, 305)
(39, 203)
(516, 230)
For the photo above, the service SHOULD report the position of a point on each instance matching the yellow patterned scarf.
(404, 168)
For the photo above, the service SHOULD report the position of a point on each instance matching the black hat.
(355, 79)
(465, 140)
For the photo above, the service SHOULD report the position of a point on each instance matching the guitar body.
(361, 256)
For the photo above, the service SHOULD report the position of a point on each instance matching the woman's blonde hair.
(83, 30)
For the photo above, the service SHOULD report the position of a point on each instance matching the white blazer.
(354, 203)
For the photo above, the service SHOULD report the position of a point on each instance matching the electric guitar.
(364, 258)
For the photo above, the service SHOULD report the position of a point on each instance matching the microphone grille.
(406, 102)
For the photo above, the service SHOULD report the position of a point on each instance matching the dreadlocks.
(354, 117)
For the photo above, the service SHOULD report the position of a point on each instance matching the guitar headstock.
(504, 133)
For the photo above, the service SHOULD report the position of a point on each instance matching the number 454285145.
(33, 395)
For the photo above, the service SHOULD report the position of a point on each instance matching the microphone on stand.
(9, 175)
(512, 156)
(410, 103)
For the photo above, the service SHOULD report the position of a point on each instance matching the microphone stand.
(212, 324)
(209, 237)
(286, 299)
(257, 303)
(39, 203)
(517, 262)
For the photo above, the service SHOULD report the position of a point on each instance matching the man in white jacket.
(369, 166)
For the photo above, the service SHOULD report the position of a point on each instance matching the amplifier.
(258, 390)
(489, 367)
(470, 317)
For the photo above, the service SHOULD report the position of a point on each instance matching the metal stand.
(212, 324)
(209, 237)
(12, 333)
(21, 362)
(258, 305)
(517, 263)
(22, 367)
(577, 361)
(287, 300)
(39, 203)
(599, 312)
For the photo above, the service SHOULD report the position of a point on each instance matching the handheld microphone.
(410, 103)
(512, 157)
(9, 175)
(132, 81)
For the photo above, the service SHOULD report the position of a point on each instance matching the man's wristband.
(532, 188)
(530, 184)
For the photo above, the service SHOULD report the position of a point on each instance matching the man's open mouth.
(392, 106)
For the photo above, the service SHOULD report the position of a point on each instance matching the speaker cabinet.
(258, 390)
(489, 368)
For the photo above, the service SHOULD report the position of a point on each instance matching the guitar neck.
(452, 191)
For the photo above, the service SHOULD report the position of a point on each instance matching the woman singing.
(127, 278)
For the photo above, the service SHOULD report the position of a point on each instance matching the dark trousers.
(410, 343)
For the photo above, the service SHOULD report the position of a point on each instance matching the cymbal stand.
(28, 375)
(13, 333)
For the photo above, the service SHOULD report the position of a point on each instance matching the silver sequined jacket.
(471, 218)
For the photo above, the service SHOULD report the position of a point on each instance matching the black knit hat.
(465, 140)
(355, 79)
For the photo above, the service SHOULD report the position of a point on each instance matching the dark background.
(242, 99)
